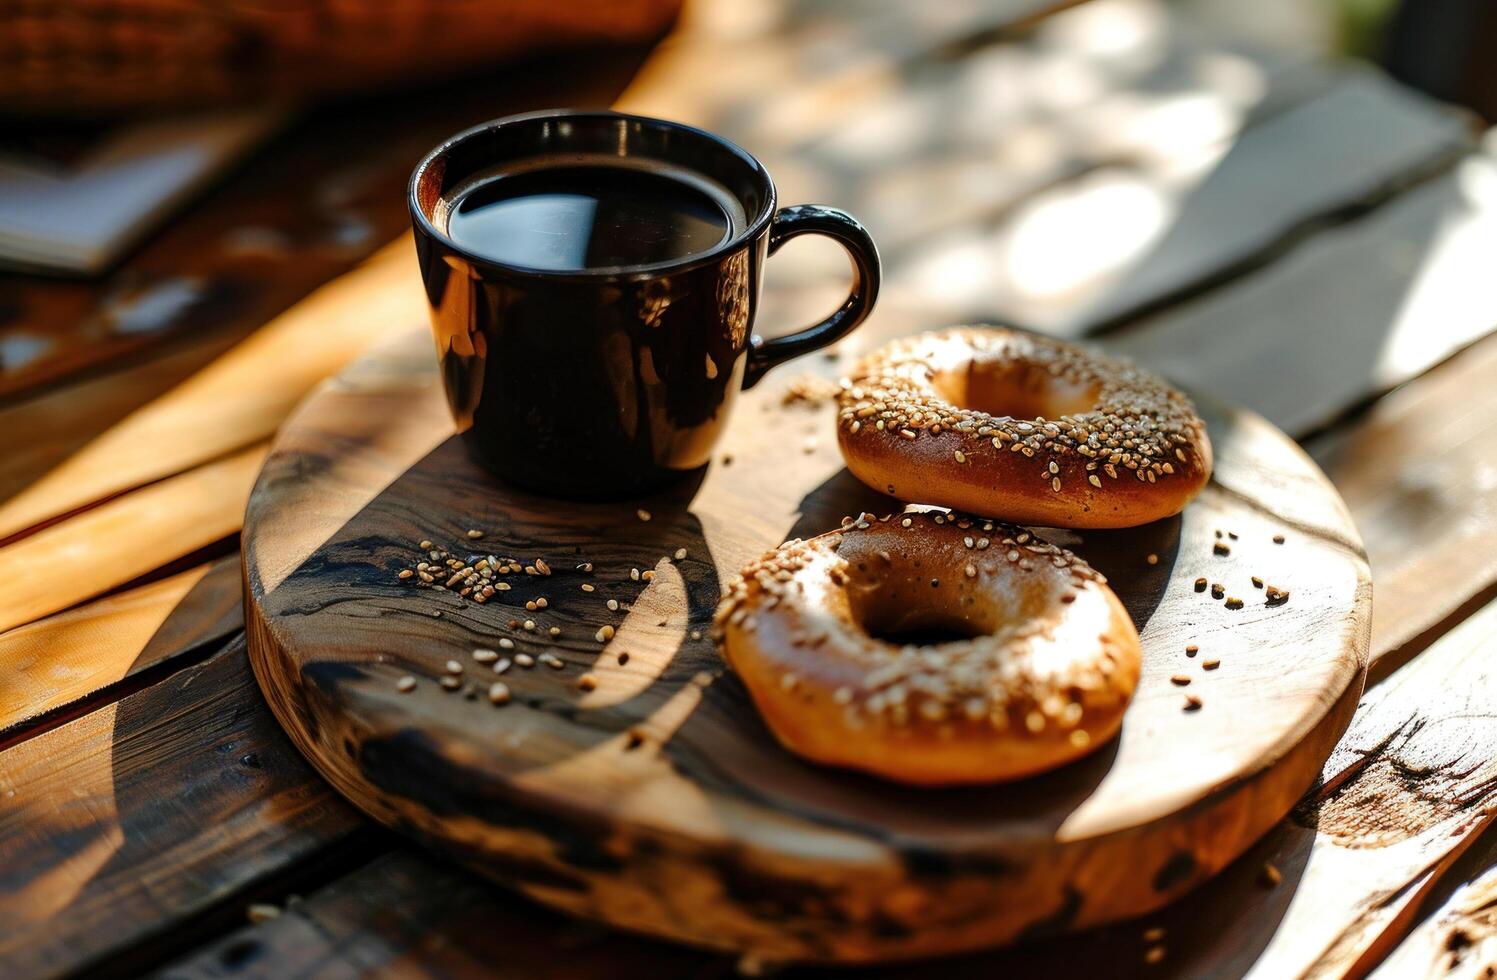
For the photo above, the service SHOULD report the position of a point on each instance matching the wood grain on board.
(71, 655)
(118, 827)
(126, 537)
(1417, 473)
(710, 798)
(1346, 315)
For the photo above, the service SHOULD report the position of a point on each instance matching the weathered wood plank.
(1132, 233)
(1346, 315)
(69, 656)
(100, 549)
(117, 827)
(406, 914)
(1458, 938)
(240, 398)
(44, 429)
(1417, 474)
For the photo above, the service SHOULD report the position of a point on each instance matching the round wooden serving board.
(658, 801)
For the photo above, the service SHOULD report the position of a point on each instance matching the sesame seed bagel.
(1045, 661)
(1021, 427)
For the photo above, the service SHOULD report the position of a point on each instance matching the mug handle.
(818, 219)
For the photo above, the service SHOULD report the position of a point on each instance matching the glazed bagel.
(1044, 663)
(1021, 427)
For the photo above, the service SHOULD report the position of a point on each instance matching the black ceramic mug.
(608, 381)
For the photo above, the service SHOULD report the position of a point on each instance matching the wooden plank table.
(1309, 240)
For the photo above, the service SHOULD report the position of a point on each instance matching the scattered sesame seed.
(695, 634)
(1257, 582)
(524, 660)
(485, 656)
(406, 684)
(1192, 703)
(1152, 559)
(587, 682)
(961, 457)
(506, 643)
(1221, 549)
(1270, 876)
(1210, 664)
(542, 567)
(613, 605)
(475, 534)
(1179, 680)
(405, 573)
(605, 633)
(1234, 603)
(552, 660)
(554, 631)
(680, 554)
(450, 683)
(262, 912)
(425, 546)
(1278, 539)
(634, 575)
(1191, 649)
(1200, 585)
(1154, 955)
(501, 665)
(1154, 934)
(643, 514)
(453, 667)
(1218, 590)
(529, 625)
(499, 693)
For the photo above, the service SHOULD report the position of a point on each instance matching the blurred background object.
(85, 57)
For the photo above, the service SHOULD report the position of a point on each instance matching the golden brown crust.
(1048, 667)
(1122, 449)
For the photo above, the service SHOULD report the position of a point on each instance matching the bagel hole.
(1019, 391)
(921, 628)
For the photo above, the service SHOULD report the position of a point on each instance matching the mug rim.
(750, 232)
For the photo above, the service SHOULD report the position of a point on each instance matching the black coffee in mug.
(593, 280)
(576, 214)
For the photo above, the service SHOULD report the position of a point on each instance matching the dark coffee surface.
(571, 218)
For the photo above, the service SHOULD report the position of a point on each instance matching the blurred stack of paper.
(79, 216)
